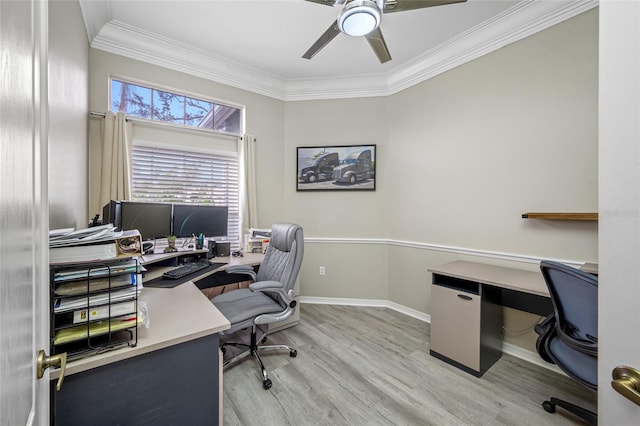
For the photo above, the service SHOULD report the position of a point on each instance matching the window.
(159, 105)
(177, 176)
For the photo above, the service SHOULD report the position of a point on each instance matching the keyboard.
(187, 269)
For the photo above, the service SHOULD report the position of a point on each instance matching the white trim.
(529, 356)
(372, 303)
(507, 348)
(514, 257)
(122, 39)
(525, 18)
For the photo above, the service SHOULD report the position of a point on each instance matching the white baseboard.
(374, 303)
(507, 348)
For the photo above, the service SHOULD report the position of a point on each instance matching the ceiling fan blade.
(324, 39)
(377, 43)
(391, 6)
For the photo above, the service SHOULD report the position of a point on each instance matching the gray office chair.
(269, 298)
(569, 337)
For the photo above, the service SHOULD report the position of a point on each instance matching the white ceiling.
(257, 44)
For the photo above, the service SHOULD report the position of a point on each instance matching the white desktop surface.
(509, 278)
(176, 315)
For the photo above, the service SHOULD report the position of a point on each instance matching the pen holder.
(199, 242)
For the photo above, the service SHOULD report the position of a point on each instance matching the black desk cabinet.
(163, 387)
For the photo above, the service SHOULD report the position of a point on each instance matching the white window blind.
(177, 176)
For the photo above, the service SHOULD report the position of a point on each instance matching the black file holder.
(99, 283)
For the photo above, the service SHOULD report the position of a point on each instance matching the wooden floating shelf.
(560, 216)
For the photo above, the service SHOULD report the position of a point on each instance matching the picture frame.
(336, 168)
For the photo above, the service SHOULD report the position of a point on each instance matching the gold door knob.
(626, 381)
(45, 362)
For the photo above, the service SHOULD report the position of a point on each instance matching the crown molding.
(516, 23)
(122, 39)
(96, 14)
(522, 20)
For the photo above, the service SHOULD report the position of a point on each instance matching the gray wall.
(264, 119)
(459, 158)
(68, 108)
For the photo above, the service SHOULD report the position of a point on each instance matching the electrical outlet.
(322, 270)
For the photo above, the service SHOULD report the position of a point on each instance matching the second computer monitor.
(153, 220)
(192, 219)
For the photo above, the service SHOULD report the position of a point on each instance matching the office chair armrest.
(272, 287)
(586, 347)
(241, 269)
(545, 325)
(287, 297)
(266, 285)
(546, 330)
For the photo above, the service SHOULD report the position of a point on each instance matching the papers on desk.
(70, 236)
(75, 288)
(80, 332)
(91, 244)
(71, 303)
(125, 266)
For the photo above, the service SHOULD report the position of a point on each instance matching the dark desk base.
(531, 303)
(177, 385)
(162, 282)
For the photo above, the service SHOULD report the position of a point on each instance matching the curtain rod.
(173, 126)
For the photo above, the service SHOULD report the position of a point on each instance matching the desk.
(157, 264)
(170, 377)
(466, 310)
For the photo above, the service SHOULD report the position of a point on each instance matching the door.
(619, 210)
(23, 211)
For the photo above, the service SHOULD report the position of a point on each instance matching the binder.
(81, 332)
(71, 303)
(101, 312)
(75, 288)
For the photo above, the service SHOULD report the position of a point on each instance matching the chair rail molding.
(514, 257)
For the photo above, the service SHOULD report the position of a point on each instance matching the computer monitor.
(196, 219)
(153, 220)
(111, 214)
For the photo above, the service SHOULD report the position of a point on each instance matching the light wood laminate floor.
(371, 366)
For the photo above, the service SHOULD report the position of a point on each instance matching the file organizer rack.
(94, 306)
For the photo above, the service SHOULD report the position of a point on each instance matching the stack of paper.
(96, 243)
(71, 303)
(79, 332)
(123, 266)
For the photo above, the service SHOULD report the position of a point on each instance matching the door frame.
(619, 203)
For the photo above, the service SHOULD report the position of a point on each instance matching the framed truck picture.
(336, 168)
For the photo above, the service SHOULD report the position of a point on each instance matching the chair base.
(588, 416)
(253, 349)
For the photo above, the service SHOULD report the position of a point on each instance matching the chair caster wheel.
(264, 340)
(266, 384)
(293, 353)
(549, 407)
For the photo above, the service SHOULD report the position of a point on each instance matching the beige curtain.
(248, 203)
(116, 158)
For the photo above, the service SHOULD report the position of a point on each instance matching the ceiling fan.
(362, 18)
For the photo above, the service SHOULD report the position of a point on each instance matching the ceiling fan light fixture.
(359, 17)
